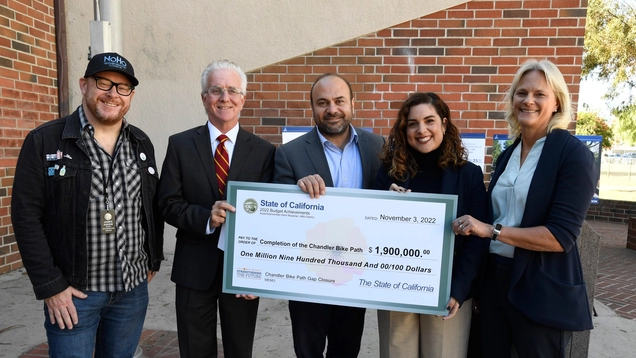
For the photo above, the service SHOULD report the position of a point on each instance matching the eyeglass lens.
(106, 84)
(218, 91)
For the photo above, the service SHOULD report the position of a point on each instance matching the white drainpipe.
(106, 31)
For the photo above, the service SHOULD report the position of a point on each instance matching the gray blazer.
(305, 156)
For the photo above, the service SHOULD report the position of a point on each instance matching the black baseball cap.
(111, 61)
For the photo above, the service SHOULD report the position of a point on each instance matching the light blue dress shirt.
(511, 192)
(345, 165)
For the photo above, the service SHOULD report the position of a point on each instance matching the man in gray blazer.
(332, 154)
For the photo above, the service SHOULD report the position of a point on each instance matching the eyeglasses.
(105, 84)
(217, 91)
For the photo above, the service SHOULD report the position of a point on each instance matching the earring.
(555, 110)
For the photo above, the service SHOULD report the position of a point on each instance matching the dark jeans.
(109, 322)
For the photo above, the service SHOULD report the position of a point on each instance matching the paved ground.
(616, 277)
(615, 326)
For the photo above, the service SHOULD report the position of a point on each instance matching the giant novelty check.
(362, 248)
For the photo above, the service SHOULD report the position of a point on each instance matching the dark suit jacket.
(305, 156)
(467, 182)
(548, 287)
(188, 188)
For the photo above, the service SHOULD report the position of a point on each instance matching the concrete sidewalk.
(21, 321)
(22, 318)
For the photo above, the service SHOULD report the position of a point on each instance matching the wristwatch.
(496, 230)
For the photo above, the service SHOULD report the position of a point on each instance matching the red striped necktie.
(222, 163)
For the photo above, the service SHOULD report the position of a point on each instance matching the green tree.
(496, 150)
(591, 124)
(610, 55)
(626, 125)
(499, 146)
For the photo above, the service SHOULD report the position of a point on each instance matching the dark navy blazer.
(467, 182)
(548, 287)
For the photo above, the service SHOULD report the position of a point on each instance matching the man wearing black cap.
(85, 217)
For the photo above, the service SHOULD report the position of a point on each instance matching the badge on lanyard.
(107, 218)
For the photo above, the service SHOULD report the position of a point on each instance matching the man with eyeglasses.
(86, 218)
(199, 162)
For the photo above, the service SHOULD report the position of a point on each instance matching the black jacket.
(189, 189)
(467, 182)
(49, 212)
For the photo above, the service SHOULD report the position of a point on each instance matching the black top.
(429, 175)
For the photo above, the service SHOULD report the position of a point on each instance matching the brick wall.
(468, 54)
(612, 210)
(631, 234)
(28, 96)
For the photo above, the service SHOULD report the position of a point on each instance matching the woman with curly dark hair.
(424, 153)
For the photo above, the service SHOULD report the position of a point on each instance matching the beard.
(334, 128)
(106, 118)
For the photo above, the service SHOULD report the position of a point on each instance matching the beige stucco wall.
(169, 44)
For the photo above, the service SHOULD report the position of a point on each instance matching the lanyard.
(113, 159)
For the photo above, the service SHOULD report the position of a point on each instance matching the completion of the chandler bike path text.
(352, 247)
